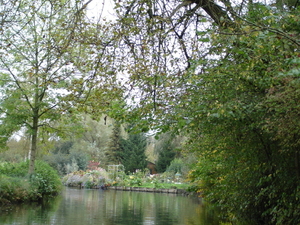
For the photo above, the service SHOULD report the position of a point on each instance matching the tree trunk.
(33, 149)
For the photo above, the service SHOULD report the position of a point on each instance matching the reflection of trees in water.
(124, 208)
(166, 209)
(77, 207)
(32, 213)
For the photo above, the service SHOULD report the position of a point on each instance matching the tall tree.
(159, 41)
(165, 157)
(235, 84)
(132, 152)
(166, 147)
(114, 146)
(45, 65)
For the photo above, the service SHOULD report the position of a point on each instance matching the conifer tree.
(132, 153)
(165, 156)
(113, 150)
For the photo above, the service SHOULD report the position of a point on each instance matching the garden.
(115, 176)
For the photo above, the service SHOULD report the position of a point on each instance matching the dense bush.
(14, 189)
(17, 186)
(45, 179)
(178, 165)
(14, 169)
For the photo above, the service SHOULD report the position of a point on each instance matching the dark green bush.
(15, 189)
(45, 179)
(14, 169)
(17, 186)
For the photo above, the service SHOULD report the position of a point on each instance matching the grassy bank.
(17, 186)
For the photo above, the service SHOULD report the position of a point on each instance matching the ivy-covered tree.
(132, 152)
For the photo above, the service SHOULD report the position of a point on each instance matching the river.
(110, 207)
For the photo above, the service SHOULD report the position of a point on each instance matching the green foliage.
(17, 186)
(80, 158)
(236, 101)
(67, 163)
(132, 153)
(63, 147)
(133, 182)
(45, 179)
(95, 138)
(282, 101)
(114, 147)
(15, 189)
(165, 155)
(243, 113)
(13, 169)
(44, 76)
(58, 162)
(142, 179)
(176, 166)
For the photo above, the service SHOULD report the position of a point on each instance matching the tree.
(132, 152)
(18, 150)
(44, 67)
(159, 43)
(94, 138)
(230, 112)
(54, 65)
(234, 87)
(166, 148)
(65, 158)
(165, 157)
(114, 146)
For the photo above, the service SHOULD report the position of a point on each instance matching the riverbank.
(17, 186)
(155, 190)
(99, 178)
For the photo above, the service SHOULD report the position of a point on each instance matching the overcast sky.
(101, 8)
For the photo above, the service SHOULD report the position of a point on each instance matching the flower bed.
(86, 179)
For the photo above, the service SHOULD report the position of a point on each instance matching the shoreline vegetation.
(16, 186)
(139, 181)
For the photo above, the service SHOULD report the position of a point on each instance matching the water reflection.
(110, 207)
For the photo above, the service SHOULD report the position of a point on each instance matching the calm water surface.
(82, 207)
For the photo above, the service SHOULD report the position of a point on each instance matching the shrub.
(175, 166)
(14, 169)
(46, 179)
(15, 189)
(17, 186)
(135, 181)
